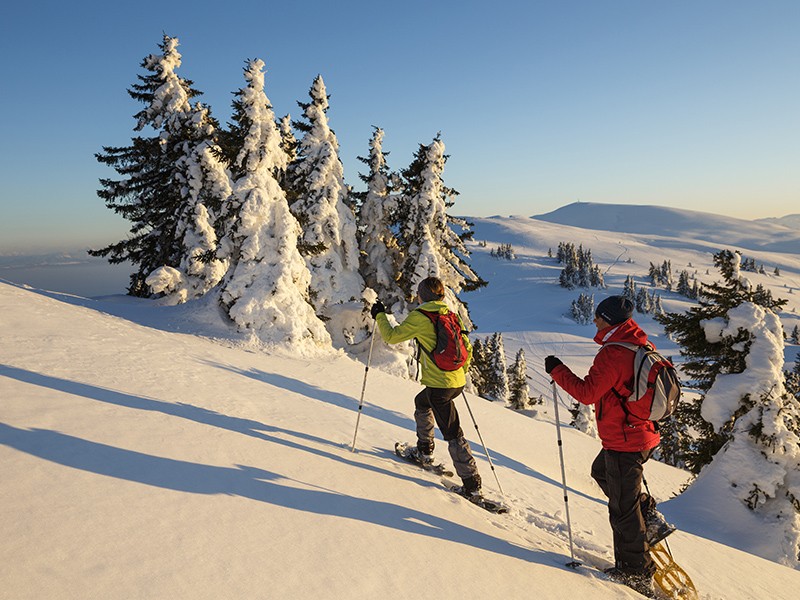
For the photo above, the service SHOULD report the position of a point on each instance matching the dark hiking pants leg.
(436, 404)
(619, 475)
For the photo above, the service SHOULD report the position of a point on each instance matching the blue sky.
(691, 104)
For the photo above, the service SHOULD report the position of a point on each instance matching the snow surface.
(153, 451)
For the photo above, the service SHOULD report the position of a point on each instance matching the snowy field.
(152, 452)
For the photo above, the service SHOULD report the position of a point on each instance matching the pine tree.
(582, 309)
(796, 335)
(172, 183)
(425, 231)
(583, 419)
(496, 376)
(760, 422)
(707, 359)
(629, 289)
(380, 254)
(644, 301)
(478, 367)
(266, 290)
(328, 224)
(519, 393)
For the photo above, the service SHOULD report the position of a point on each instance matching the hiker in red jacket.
(628, 442)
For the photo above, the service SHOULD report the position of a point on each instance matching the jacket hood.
(628, 332)
(435, 306)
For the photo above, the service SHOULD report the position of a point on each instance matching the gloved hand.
(377, 308)
(550, 363)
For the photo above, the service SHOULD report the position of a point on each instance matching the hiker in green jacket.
(435, 402)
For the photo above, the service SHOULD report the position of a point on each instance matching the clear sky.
(684, 103)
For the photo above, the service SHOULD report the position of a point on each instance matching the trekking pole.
(364, 385)
(574, 563)
(485, 450)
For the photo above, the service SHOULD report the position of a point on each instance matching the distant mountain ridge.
(775, 235)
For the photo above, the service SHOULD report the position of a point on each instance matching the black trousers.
(619, 475)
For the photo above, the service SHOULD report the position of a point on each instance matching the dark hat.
(614, 309)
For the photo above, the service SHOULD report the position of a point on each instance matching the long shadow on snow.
(192, 413)
(323, 395)
(388, 416)
(250, 482)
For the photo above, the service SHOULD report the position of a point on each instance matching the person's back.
(434, 404)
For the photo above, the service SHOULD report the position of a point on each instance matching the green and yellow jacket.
(420, 327)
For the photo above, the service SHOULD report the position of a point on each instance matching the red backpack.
(450, 353)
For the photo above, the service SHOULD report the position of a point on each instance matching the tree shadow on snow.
(253, 483)
(196, 414)
(328, 397)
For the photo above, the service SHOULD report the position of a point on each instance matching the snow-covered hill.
(685, 225)
(151, 452)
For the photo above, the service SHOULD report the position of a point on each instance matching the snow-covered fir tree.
(579, 268)
(172, 185)
(582, 309)
(661, 275)
(629, 289)
(478, 367)
(505, 251)
(759, 420)
(518, 390)
(205, 183)
(431, 246)
(583, 419)
(266, 290)
(381, 257)
(709, 358)
(496, 378)
(316, 177)
(685, 286)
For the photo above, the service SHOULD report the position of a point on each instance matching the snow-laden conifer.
(709, 357)
(496, 378)
(172, 187)
(328, 239)
(203, 180)
(582, 309)
(432, 248)
(380, 254)
(266, 290)
(760, 420)
(518, 389)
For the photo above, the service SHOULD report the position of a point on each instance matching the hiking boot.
(472, 486)
(657, 527)
(639, 582)
(416, 455)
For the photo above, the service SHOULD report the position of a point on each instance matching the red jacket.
(612, 369)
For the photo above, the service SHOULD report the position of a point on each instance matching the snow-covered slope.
(774, 236)
(152, 452)
(144, 462)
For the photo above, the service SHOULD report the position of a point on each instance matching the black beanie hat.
(615, 309)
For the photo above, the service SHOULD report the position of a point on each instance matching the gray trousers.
(436, 406)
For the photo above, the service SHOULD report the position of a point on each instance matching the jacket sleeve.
(416, 325)
(601, 378)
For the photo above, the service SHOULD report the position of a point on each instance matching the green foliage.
(688, 439)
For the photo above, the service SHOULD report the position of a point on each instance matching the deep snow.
(152, 452)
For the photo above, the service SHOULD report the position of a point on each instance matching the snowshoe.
(425, 461)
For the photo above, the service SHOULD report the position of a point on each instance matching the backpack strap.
(420, 348)
(623, 399)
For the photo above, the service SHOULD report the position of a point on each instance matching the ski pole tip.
(574, 564)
